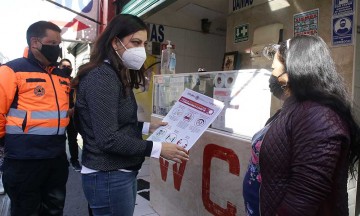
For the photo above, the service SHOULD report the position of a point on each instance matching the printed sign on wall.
(342, 30)
(241, 33)
(306, 23)
(342, 23)
(343, 7)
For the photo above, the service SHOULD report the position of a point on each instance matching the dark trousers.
(72, 141)
(2, 154)
(36, 187)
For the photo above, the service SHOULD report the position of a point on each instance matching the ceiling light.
(142, 7)
(279, 4)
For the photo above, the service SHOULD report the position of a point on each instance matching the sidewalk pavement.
(76, 204)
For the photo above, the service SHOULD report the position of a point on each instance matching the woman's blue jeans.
(110, 193)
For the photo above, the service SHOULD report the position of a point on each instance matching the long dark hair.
(313, 76)
(120, 26)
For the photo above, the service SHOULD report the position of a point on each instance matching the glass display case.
(245, 94)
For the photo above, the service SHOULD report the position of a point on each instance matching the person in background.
(72, 133)
(65, 64)
(312, 143)
(2, 155)
(106, 118)
(34, 97)
(2, 191)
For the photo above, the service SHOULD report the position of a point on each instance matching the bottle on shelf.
(168, 60)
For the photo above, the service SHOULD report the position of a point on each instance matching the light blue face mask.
(133, 58)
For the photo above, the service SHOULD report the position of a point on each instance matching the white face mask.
(133, 58)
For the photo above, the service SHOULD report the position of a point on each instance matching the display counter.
(210, 183)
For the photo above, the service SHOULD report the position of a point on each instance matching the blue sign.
(343, 7)
(342, 30)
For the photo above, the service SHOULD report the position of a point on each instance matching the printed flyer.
(188, 119)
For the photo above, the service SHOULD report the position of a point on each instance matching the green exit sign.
(241, 33)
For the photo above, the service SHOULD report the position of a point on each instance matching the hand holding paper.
(171, 151)
(155, 125)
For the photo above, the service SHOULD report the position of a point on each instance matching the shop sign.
(306, 23)
(241, 33)
(77, 18)
(343, 7)
(239, 5)
(342, 30)
(157, 32)
(211, 151)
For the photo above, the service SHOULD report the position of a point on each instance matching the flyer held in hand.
(188, 119)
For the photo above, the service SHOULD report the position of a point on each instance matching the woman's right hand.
(174, 152)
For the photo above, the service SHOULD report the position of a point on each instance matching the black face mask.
(67, 71)
(51, 52)
(275, 87)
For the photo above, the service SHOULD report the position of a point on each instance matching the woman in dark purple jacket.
(312, 144)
